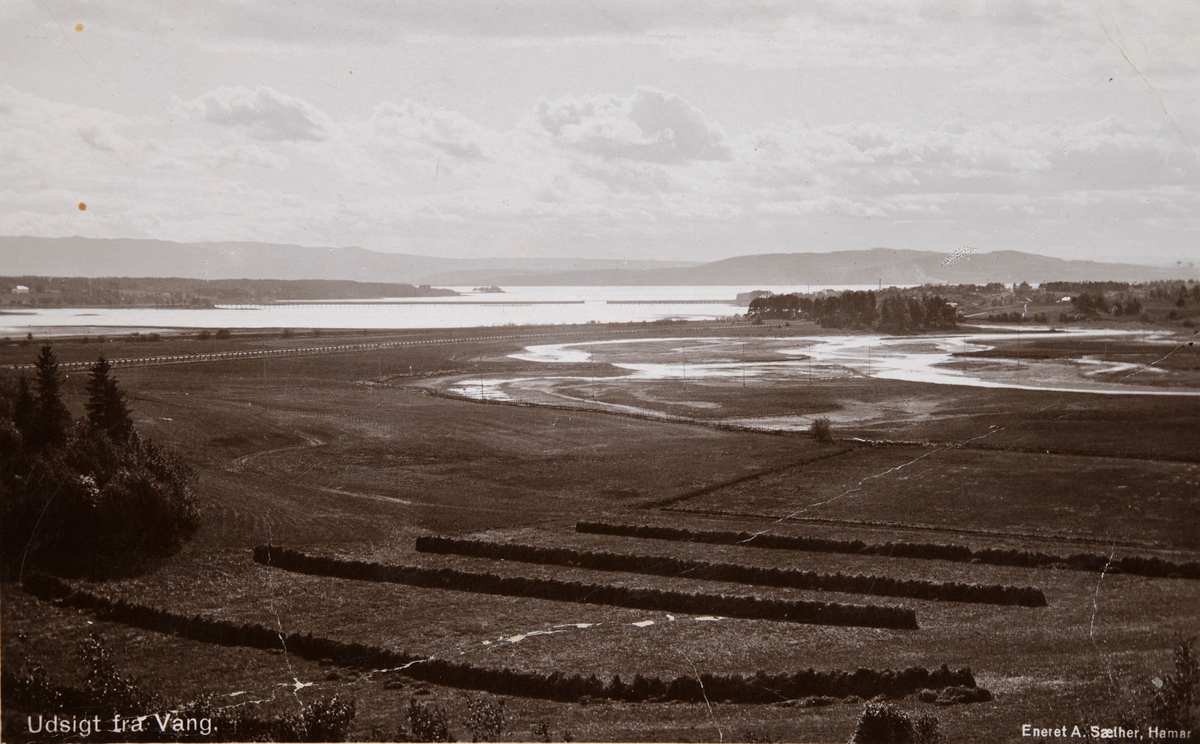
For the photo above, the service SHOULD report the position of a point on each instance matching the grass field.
(355, 455)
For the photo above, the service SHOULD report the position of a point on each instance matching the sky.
(629, 129)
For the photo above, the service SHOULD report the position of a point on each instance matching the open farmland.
(350, 458)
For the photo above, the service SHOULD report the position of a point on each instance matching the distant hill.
(94, 257)
(891, 267)
(90, 257)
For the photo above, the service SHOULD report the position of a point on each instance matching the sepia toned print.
(612, 371)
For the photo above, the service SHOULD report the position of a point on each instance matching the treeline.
(1152, 566)
(881, 586)
(695, 603)
(169, 291)
(1122, 298)
(1077, 287)
(1166, 289)
(899, 311)
(88, 496)
(760, 687)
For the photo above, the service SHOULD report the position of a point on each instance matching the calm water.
(517, 306)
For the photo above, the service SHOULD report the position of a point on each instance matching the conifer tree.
(106, 409)
(51, 417)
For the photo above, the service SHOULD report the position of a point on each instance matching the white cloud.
(411, 125)
(265, 112)
(648, 125)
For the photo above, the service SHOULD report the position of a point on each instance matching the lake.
(516, 306)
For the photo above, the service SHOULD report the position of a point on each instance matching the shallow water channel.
(942, 359)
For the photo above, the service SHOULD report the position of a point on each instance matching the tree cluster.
(899, 312)
(1098, 303)
(86, 496)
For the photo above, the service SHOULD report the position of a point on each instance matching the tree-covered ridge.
(175, 292)
(86, 496)
(897, 312)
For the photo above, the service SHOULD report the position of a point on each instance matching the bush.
(821, 429)
(881, 723)
(486, 719)
(222, 334)
(425, 723)
(325, 720)
(1175, 704)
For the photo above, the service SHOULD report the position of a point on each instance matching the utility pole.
(743, 365)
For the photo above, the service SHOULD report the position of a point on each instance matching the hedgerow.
(1152, 566)
(760, 687)
(697, 603)
(730, 572)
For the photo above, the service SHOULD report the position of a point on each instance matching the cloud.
(411, 124)
(267, 113)
(647, 169)
(649, 125)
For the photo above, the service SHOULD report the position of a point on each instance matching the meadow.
(351, 458)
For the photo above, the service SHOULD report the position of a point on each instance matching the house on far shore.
(20, 289)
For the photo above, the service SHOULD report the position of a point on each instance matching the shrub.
(486, 719)
(425, 723)
(105, 690)
(222, 334)
(104, 685)
(821, 429)
(1175, 704)
(324, 720)
(881, 723)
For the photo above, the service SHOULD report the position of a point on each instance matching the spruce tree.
(51, 418)
(106, 409)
